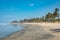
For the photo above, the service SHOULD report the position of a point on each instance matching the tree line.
(49, 17)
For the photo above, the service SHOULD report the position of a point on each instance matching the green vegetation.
(50, 17)
(14, 22)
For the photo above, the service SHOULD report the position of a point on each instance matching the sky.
(11, 10)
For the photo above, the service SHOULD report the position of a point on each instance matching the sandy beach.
(46, 25)
(36, 31)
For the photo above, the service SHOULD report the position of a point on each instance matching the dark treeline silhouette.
(50, 17)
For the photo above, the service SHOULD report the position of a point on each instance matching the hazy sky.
(19, 9)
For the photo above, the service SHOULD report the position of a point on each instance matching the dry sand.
(36, 31)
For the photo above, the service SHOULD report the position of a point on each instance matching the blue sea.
(7, 29)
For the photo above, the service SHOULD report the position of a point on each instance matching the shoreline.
(30, 26)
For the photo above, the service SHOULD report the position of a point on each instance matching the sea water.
(7, 29)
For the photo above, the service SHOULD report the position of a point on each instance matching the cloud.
(32, 4)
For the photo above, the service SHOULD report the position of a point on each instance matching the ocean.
(7, 29)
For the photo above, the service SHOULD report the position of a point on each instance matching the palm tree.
(46, 17)
(42, 18)
(49, 17)
(56, 14)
